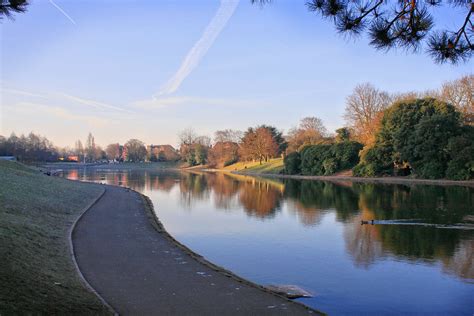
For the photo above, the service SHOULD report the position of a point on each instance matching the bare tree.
(112, 151)
(363, 109)
(136, 150)
(228, 135)
(310, 131)
(460, 93)
(187, 136)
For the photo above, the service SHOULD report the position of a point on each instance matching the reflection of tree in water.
(444, 205)
(363, 241)
(308, 216)
(260, 198)
(224, 190)
(319, 196)
(193, 187)
(160, 181)
(432, 204)
(461, 263)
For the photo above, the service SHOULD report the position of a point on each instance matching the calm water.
(309, 233)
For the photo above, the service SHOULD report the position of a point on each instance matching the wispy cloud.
(200, 48)
(24, 93)
(62, 11)
(153, 104)
(58, 112)
(93, 103)
(68, 97)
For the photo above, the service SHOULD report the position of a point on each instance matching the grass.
(273, 166)
(37, 274)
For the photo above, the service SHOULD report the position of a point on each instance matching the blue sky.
(273, 64)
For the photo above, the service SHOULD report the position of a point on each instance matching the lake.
(413, 259)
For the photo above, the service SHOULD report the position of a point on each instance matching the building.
(162, 153)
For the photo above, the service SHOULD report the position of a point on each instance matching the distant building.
(162, 153)
(10, 158)
(73, 158)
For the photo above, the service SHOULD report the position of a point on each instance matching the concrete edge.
(156, 223)
(73, 254)
(380, 180)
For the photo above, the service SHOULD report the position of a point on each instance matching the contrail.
(200, 48)
(62, 11)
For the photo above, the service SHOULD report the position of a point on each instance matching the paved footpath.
(139, 271)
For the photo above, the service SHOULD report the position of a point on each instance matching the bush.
(461, 151)
(327, 159)
(292, 163)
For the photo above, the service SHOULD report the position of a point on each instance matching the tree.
(112, 151)
(79, 150)
(277, 137)
(187, 136)
(343, 134)
(90, 151)
(364, 110)
(417, 136)
(460, 93)
(228, 135)
(402, 24)
(223, 154)
(258, 144)
(8, 7)
(310, 131)
(136, 150)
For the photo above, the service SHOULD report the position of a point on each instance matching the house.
(162, 153)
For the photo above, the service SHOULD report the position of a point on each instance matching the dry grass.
(37, 275)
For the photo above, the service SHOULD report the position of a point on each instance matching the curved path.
(139, 271)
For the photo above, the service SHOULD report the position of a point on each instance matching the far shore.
(382, 180)
(178, 167)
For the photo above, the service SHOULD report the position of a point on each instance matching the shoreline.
(376, 180)
(158, 227)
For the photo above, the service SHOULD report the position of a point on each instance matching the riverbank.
(128, 257)
(38, 274)
(381, 180)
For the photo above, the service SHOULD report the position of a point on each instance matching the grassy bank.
(273, 166)
(37, 274)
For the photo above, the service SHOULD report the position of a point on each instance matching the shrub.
(461, 151)
(327, 159)
(292, 163)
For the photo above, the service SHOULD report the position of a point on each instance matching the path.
(139, 271)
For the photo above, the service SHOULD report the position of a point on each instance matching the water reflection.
(311, 201)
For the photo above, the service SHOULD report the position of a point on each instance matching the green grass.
(37, 274)
(273, 166)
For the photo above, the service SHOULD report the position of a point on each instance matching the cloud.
(58, 112)
(153, 104)
(200, 48)
(24, 93)
(62, 11)
(92, 103)
(64, 96)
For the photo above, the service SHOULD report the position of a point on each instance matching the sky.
(124, 69)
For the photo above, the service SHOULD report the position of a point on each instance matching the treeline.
(428, 135)
(28, 148)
